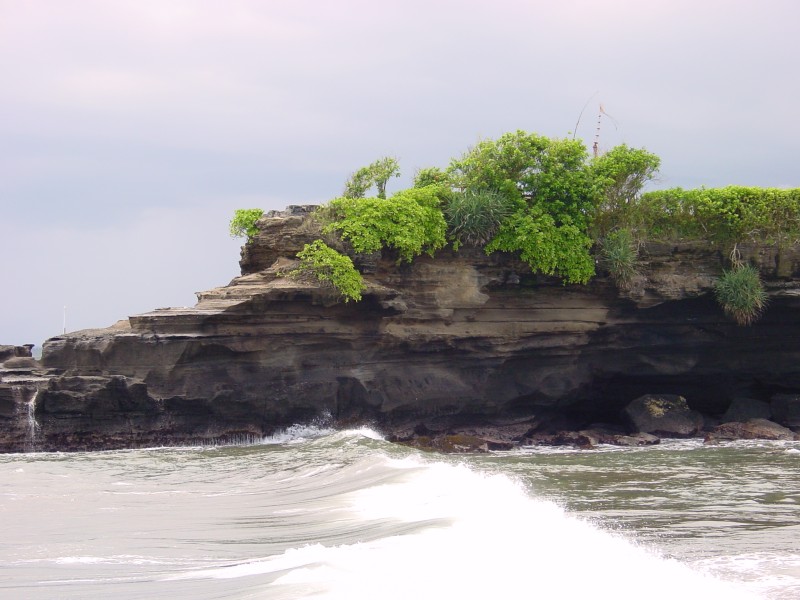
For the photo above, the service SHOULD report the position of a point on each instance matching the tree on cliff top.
(620, 175)
(376, 174)
(243, 223)
(549, 183)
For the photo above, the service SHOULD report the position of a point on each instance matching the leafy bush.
(474, 216)
(327, 265)
(549, 173)
(723, 215)
(553, 193)
(741, 295)
(431, 176)
(619, 176)
(243, 223)
(548, 248)
(410, 222)
(619, 252)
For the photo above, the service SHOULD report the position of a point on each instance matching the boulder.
(744, 409)
(753, 429)
(21, 363)
(786, 409)
(580, 439)
(455, 443)
(7, 351)
(665, 415)
(637, 439)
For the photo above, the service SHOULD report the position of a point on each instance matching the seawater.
(315, 513)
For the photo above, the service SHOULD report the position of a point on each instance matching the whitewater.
(317, 513)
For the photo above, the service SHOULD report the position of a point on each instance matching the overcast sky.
(131, 130)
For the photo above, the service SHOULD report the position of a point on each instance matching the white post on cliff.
(65, 318)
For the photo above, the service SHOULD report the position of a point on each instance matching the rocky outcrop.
(447, 345)
(744, 409)
(9, 352)
(753, 429)
(666, 415)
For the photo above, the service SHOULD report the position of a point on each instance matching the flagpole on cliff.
(65, 318)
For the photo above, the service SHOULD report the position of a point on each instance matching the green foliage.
(551, 186)
(326, 264)
(549, 173)
(474, 216)
(243, 223)
(619, 253)
(548, 248)
(411, 222)
(376, 174)
(723, 215)
(431, 176)
(741, 295)
(619, 176)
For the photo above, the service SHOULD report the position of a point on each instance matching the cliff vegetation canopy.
(545, 199)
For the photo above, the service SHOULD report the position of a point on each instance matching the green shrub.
(619, 253)
(619, 176)
(741, 295)
(722, 215)
(474, 216)
(553, 192)
(243, 223)
(327, 265)
(549, 173)
(548, 248)
(431, 176)
(410, 222)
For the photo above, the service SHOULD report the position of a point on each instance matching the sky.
(130, 130)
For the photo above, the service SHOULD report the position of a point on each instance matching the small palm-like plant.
(741, 294)
(474, 216)
(619, 254)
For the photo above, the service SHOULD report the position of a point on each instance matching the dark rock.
(786, 409)
(579, 439)
(664, 415)
(753, 429)
(458, 443)
(636, 439)
(21, 363)
(7, 352)
(744, 409)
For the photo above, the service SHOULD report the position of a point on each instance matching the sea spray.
(469, 535)
(484, 536)
(348, 515)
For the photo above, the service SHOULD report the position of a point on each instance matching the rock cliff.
(446, 345)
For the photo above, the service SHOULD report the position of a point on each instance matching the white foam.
(474, 536)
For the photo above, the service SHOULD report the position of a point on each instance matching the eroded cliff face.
(458, 341)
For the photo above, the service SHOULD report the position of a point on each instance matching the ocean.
(318, 513)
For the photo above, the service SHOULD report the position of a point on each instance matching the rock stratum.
(459, 351)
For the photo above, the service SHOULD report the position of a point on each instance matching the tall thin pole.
(596, 145)
(65, 318)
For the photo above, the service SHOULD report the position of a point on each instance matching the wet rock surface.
(753, 429)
